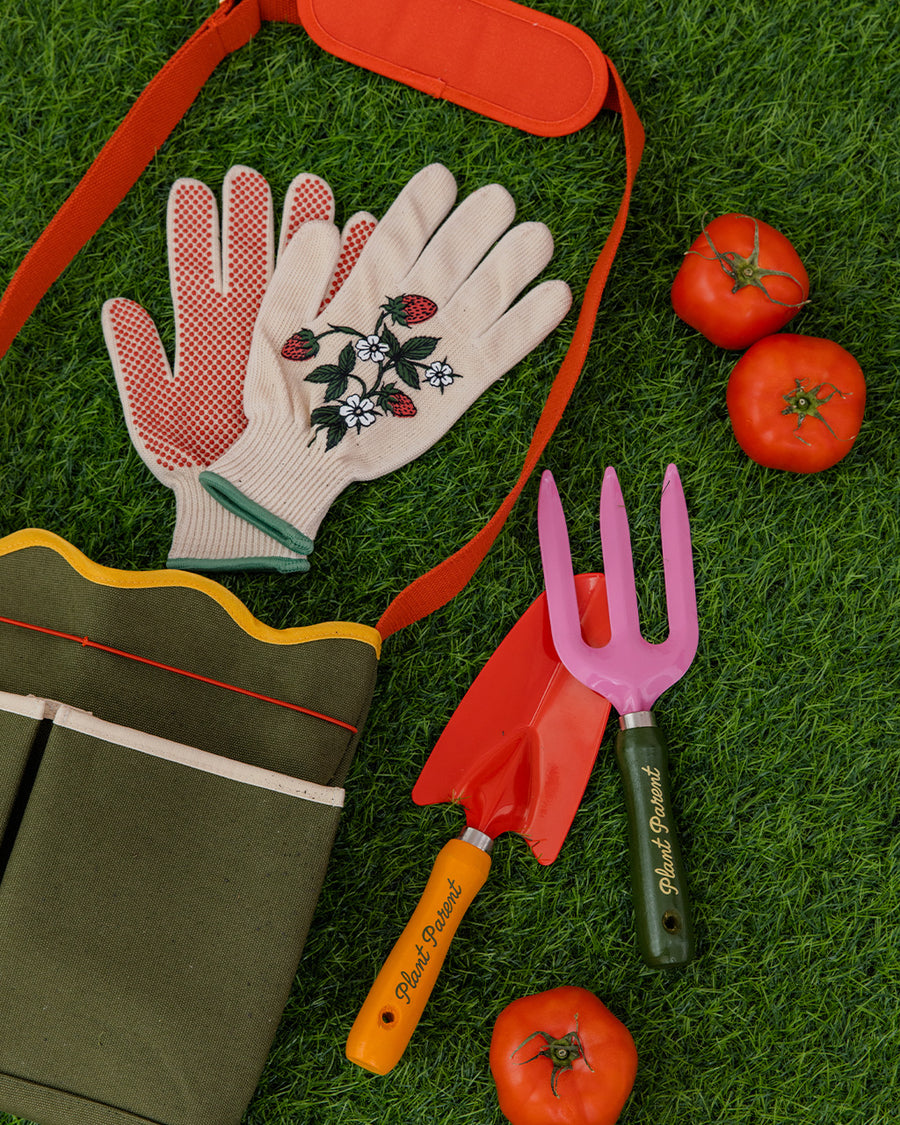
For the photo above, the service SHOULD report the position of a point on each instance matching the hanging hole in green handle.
(672, 921)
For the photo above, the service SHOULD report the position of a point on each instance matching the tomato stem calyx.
(805, 404)
(747, 271)
(563, 1053)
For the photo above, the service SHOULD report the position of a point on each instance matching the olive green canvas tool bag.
(170, 786)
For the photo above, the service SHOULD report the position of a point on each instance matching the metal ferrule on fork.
(637, 719)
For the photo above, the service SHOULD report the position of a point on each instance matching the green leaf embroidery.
(334, 376)
(347, 359)
(337, 388)
(324, 374)
(329, 419)
(418, 347)
(335, 434)
(392, 342)
(326, 416)
(408, 373)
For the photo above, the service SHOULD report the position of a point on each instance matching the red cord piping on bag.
(86, 642)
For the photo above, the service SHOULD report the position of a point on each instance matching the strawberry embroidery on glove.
(401, 405)
(302, 345)
(381, 348)
(410, 309)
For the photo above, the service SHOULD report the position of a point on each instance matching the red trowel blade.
(518, 751)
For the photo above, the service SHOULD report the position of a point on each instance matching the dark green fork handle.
(661, 906)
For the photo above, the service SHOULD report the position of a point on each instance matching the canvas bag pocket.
(153, 908)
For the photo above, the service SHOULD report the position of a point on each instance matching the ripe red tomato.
(740, 280)
(562, 1058)
(796, 402)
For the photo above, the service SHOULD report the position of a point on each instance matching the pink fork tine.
(678, 569)
(639, 672)
(618, 565)
(632, 674)
(559, 579)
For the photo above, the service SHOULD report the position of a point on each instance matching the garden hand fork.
(632, 673)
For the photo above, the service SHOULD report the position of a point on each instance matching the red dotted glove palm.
(182, 420)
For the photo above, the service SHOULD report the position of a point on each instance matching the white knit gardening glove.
(181, 421)
(422, 326)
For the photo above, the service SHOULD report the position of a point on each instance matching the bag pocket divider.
(24, 728)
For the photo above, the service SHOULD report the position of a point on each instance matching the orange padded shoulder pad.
(496, 57)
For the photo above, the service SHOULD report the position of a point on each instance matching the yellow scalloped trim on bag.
(150, 579)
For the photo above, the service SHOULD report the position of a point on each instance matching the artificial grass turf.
(784, 732)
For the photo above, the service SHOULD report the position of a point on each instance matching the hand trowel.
(516, 755)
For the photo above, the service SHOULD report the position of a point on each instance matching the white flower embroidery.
(372, 348)
(439, 374)
(358, 412)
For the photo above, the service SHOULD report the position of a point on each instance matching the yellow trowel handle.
(394, 1006)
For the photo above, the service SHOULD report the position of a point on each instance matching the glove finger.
(308, 199)
(505, 342)
(398, 240)
(356, 233)
(192, 230)
(461, 243)
(248, 256)
(142, 371)
(300, 282)
(526, 324)
(134, 345)
(513, 263)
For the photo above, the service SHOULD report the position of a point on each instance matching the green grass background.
(784, 735)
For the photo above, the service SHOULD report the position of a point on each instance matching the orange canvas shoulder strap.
(439, 585)
(119, 164)
(153, 116)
